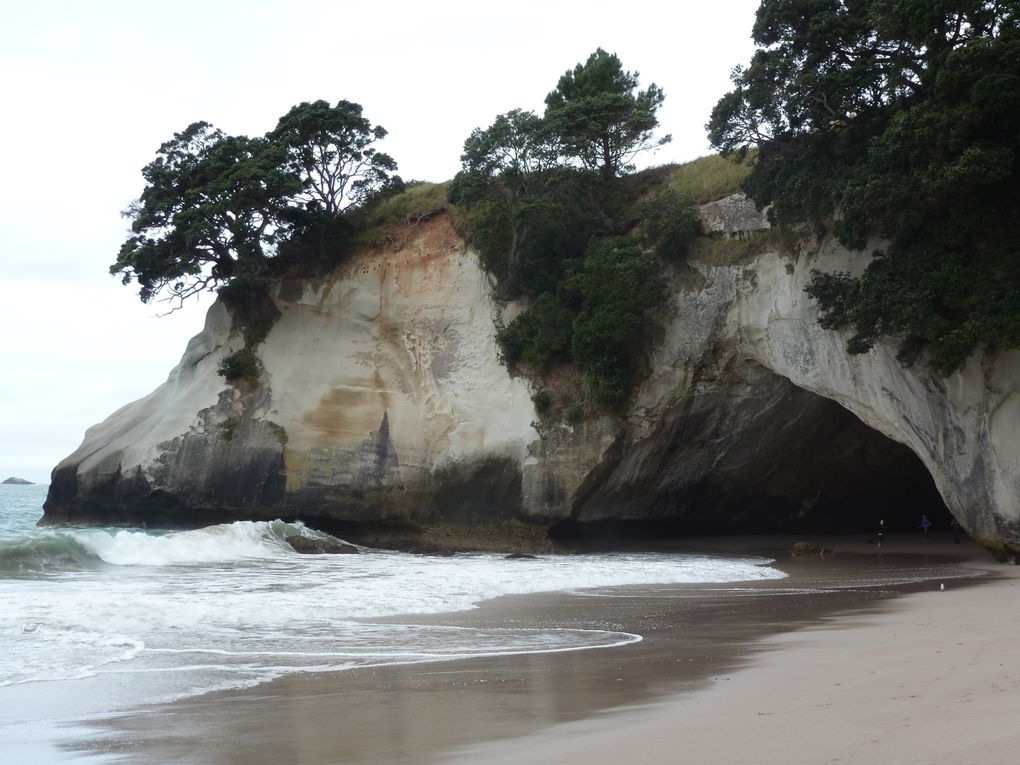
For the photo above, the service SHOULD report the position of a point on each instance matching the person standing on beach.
(881, 532)
(925, 525)
(955, 526)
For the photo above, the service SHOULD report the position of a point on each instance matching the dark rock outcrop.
(320, 546)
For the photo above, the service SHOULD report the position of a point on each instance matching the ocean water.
(146, 616)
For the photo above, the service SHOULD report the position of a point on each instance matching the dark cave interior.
(761, 456)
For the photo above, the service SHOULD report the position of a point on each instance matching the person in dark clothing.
(955, 526)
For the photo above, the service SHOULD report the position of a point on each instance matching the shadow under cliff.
(752, 454)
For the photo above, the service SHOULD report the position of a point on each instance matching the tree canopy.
(216, 207)
(547, 208)
(330, 148)
(516, 148)
(211, 207)
(531, 177)
(899, 119)
(598, 117)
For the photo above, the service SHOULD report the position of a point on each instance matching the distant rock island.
(19, 481)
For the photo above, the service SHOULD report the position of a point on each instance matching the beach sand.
(825, 666)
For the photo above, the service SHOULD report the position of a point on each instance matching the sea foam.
(181, 612)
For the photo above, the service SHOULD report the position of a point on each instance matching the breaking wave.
(70, 549)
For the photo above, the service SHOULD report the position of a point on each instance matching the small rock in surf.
(308, 546)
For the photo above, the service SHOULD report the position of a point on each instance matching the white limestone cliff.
(381, 400)
(965, 428)
(375, 382)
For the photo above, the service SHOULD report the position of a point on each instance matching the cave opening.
(755, 454)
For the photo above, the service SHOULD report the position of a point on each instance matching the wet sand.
(821, 666)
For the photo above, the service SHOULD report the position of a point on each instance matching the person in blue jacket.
(925, 525)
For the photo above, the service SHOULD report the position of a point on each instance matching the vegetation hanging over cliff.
(902, 120)
(554, 220)
(218, 209)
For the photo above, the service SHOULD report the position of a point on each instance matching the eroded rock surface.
(382, 413)
(380, 402)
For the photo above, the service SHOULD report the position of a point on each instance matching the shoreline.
(696, 639)
(929, 677)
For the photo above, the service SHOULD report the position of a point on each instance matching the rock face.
(380, 407)
(18, 481)
(381, 413)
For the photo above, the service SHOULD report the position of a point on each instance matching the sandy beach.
(841, 661)
(930, 677)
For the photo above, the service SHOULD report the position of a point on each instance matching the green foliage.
(947, 305)
(330, 149)
(488, 224)
(540, 336)
(537, 188)
(544, 206)
(219, 208)
(316, 244)
(211, 206)
(528, 214)
(575, 413)
(526, 238)
(542, 401)
(254, 311)
(254, 314)
(904, 117)
(670, 222)
(598, 117)
(238, 366)
(516, 148)
(615, 287)
(596, 320)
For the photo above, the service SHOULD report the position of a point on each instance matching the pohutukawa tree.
(215, 207)
(331, 149)
(899, 119)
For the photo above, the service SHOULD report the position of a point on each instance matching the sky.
(89, 89)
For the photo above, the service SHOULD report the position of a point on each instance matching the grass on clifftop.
(709, 178)
(704, 179)
(401, 210)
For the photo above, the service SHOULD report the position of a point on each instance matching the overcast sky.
(90, 88)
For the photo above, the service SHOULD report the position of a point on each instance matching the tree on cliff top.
(600, 119)
(903, 116)
(542, 197)
(211, 207)
(330, 148)
(508, 166)
(215, 207)
(516, 148)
